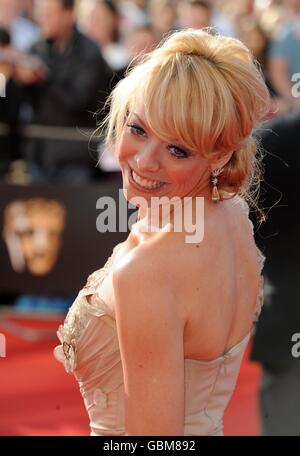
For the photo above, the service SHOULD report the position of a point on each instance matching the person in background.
(258, 41)
(163, 16)
(203, 13)
(278, 329)
(103, 25)
(23, 32)
(195, 14)
(10, 102)
(28, 9)
(5, 70)
(284, 57)
(290, 11)
(6, 107)
(223, 23)
(66, 84)
(140, 40)
(132, 14)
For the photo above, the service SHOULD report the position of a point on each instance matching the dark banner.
(51, 238)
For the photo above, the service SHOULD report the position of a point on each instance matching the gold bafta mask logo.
(32, 232)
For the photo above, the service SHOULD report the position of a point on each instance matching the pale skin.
(175, 300)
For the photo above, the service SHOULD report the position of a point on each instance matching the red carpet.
(37, 397)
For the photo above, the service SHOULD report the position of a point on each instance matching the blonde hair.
(204, 90)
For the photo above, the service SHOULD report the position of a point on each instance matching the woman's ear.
(220, 159)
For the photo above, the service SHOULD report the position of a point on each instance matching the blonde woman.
(157, 335)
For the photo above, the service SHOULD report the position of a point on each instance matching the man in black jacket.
(66, 80)
(278, 330)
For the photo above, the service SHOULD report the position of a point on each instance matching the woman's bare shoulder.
(144, 291)
(163, 264)
(155, 268)
(152, 259)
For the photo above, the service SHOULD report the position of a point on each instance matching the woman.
(156, 337)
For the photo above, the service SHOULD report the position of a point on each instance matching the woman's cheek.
(127, 147)
(181, 175)
(122, 151)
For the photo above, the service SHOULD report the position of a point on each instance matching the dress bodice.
(90, 349)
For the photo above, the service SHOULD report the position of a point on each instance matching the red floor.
(37, 397)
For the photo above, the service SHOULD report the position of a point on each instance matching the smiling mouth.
(145, 184)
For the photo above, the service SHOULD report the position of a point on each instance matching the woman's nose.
(147, 158)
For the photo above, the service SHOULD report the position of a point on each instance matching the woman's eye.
(136, 130)
(178, 152)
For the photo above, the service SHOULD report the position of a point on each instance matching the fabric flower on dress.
(100, 398)
(66, 352)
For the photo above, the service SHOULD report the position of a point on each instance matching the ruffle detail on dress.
(66, 352)
(79, 315)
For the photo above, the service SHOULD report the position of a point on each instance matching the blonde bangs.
(176, 106)
(179, 105)
(199, 90)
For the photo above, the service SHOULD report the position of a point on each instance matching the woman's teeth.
(146, 183)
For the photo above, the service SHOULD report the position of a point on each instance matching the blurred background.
(59, 60)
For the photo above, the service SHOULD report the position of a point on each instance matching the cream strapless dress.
(90, 349)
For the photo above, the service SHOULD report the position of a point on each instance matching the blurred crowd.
(59, 59)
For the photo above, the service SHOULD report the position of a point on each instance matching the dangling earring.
(214, 179)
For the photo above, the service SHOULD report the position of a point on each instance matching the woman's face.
(101, 24)
(153, 167)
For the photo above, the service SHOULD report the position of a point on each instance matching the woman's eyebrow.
(142, 122)
(145, 126)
